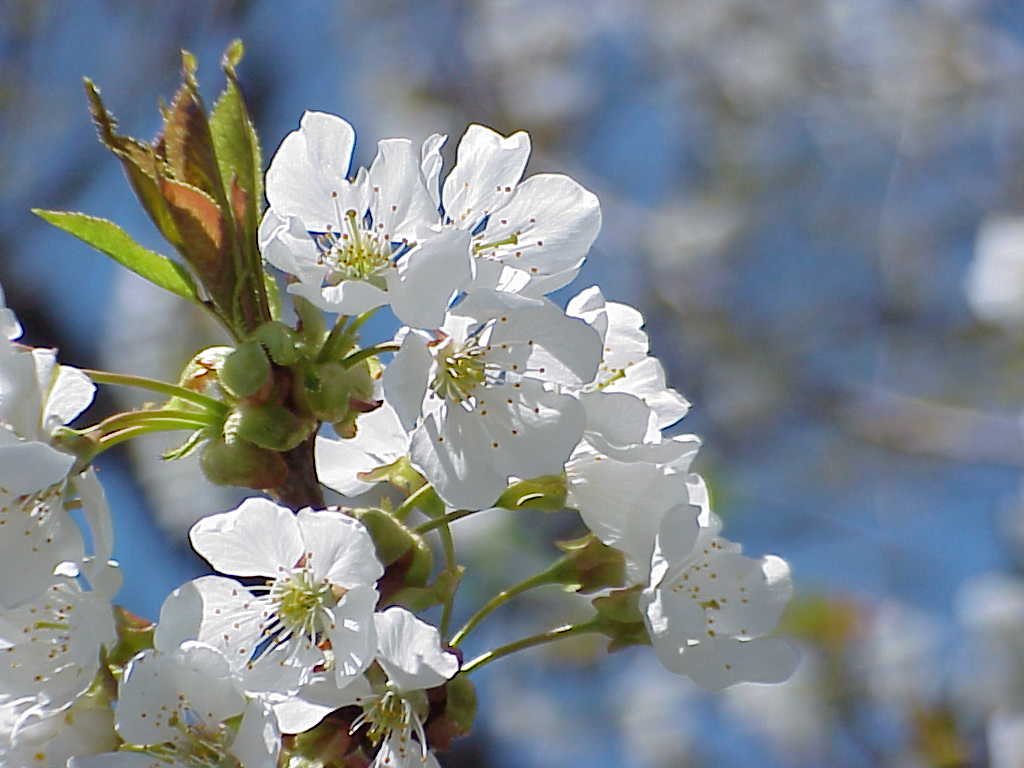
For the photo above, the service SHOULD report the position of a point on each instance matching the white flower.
(37, 396)
(355, 245)
(530, 237)
(482, 392)
(409, 651)
(625, 365)
(707, 610)
(51, 646)
(321, 569)
(174, 710)
(410, 655)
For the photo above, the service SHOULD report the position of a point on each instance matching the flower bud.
(452, 711)
(325, 389)
(245, 370)
(621, 619)
(240, 463)
(589, 565)
(271, 426)
(546, 493)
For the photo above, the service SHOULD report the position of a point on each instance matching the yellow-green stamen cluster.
(298, 600)
(460, 370)
(355, 253)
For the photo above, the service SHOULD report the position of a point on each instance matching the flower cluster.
(494, 397)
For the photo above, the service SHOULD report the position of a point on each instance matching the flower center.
(200, 745)
(298, 599)
(461, 368)
(354, 251)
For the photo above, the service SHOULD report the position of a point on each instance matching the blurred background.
(819, 207)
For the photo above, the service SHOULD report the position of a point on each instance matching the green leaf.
(141, 165)
(234, 139)
(106, 237)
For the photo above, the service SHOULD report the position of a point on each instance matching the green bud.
(458, 697)
(589, 565)
(546, 493)
(272, 426)
(242, 464)
(390, 537)
(620, 618)
(326, 388)
(280, 341)
(245, 370)
(202, 374)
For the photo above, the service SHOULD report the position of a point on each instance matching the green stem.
(528, 642)
(163, 387)
(418, 498)
(448, 544)
(537, 580)
(111, 439)
(362, 354)
(437, 522)
(121, 421)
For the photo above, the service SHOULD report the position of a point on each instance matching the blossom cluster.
(494, 397)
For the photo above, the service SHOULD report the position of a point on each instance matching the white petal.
(285, 243)
(195, 679)
(488, 166)
(554, 221)
(310, 165)
(721, 663)
(213, 610)
(619, 418)
(317, 700)
(338, 548)
(405, 378)
(427, 278)
(452, 450)
(71, 393)
(28, 466)
(608, 495)
(430, 165)
(352, 633)
(559, 348)
(97, 514)
(117, 760)
(589, 306)
(410, 651)
(258, 741)
(380, 439)
(259, 538)
(532, 431)
(349, 297)
(399, 201)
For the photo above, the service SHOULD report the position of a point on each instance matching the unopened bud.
(272, 426)
(546, 493)
(589, 565)
(242, 464)
(452, 711)
(245, 370)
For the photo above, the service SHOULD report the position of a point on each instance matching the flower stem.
(528, 642)
(362, 354)
(111, 439)
(437, 522)
(163, 387)
(420, 497)
(537, 580)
